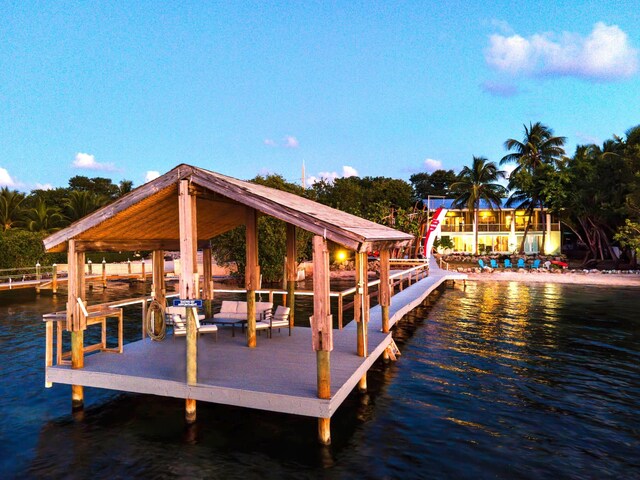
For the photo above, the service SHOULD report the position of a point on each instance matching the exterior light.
(341, 255)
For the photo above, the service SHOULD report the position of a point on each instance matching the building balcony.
(497, 228)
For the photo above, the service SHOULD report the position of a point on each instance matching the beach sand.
(612, 279)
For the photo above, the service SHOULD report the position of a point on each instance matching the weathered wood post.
(188, 288)
(322, 329)
(104, 273)
(207, 287)
(38, 277)
(291, 273)
(128, 266)
(54, 278)
(361, 309)
(143, 276)
(76, 321)
(385, 294)
(158, 291)
(252, 274)
(385, 291)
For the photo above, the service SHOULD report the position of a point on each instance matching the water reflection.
(496, 380)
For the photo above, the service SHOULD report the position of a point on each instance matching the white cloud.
(604, 55)
(88, 162)
(291, 142)
(270, 142)
(347, 171)
(43, 186)
(431, 165)
(6, 180)
(151, 175)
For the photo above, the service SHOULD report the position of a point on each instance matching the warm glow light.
(341, 255)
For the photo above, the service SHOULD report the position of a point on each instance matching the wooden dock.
(278, 375)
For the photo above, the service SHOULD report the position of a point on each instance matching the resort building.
(499, 229)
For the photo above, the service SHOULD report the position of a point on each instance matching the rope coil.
(156, 312)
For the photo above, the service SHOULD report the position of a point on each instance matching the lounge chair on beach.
(521, 263)
(481, 263)
(494, 263)
(536, 264)
(507, 263)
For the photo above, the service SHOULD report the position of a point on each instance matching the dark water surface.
(498, 380)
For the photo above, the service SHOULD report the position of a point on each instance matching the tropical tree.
(124, 187)
(81, 203)
(536, 157)
(476, 183)
(11, 211)
(437, 183)
(43, 218)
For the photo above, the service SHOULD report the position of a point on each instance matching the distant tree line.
(595, 193)
(25, 219)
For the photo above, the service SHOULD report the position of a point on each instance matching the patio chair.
(507, 263)
(521, 263)
(481, 263)
(178, 318)
(536, 264)
(279, 319)
(494, 263)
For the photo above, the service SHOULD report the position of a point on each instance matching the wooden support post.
(38, 277)
(143, 274)
(104, 273)
(54, 279)
(190, 411)
(322, 328)
(48, 349)
(385, 291)
(361, 302)
(158, 290)
(252, 274)
(77, 361)
(207, 287)
(324, 431)
(291, 273)
(188, 287)
(76, 321)
(340, 310)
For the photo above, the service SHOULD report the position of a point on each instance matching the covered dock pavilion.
(182, 210)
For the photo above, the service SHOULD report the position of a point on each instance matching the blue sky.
(125, 89)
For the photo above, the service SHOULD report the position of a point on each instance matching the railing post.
(104, 273)
(38, 277)
(129, 266)
(89, 267)
(142, 274)
(54, 278)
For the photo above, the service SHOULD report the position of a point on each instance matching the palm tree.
(11, 212)
(476, 183)
(124, 187)
(537, 153)
(43, 218)
(81, 203)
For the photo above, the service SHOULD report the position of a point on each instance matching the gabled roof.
(147, 218)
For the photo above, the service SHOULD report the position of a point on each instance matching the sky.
(129, 90)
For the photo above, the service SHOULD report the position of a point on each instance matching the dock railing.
(418, 269)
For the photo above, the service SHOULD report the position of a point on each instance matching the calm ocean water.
(496, 380)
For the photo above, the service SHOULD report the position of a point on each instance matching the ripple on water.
(500, 380)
